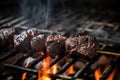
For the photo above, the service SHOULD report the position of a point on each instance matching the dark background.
(78, 2)
(13, 6)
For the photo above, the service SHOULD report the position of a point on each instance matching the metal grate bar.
(110, 68)
(13, 21)
(63, 77)
(5, 20)
(66, 66)
(86, 66)
(21, 23)
(6, 73)
(55, 60)
(10, 54)
(33, 63)
(21, 69)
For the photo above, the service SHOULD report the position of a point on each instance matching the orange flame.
(55, 68)
(24, 74)
(43, 75)
(45, 70)
(111, 76)
(98, 74)
(71, 70)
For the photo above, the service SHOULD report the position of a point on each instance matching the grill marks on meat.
(84, 47)
(6, 38)
(22, 41)
(38, 43)
(55, 45)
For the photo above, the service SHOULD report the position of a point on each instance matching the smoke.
(39, 9)
(35, 8)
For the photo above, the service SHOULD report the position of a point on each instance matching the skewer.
(108, 53)
(10, 54)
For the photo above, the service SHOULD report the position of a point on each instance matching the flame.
(71, 70)
(45, 70)
(55, 68)
(26, 65)
(24, 76)
(43, 73)
(111, 76)
(98, 74)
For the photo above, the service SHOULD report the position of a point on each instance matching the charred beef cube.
(55, 45)
(32, 32)
(84, 47)
(38, 43)
(22, 41)
(6, 38)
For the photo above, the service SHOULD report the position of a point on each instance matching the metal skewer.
(108, 53)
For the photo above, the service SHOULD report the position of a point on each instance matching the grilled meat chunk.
(38, 43)
(6, 38)
(22, 41)
(55, 45)
(83, 47)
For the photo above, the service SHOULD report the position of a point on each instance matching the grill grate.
(79, 23)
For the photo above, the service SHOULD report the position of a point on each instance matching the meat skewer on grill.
(84, 47)
(6, 38)
(22, 41)
(38, 43)
(55, 45)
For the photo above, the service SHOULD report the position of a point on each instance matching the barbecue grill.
(72, 21)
